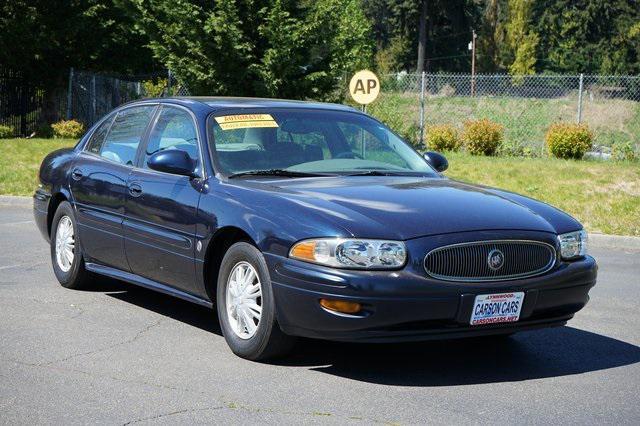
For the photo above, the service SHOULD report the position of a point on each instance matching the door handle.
(76, 174)
(135, 190)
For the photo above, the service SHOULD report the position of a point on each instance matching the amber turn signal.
(341, 306)
(304, 250)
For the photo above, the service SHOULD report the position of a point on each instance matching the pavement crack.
(226, 404)
(115, 345)
(171, 413)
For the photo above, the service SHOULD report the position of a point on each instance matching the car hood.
(409, 207)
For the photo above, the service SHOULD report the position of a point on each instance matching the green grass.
(604, 196)
(20, 161)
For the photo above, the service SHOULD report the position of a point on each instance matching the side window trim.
(110, 117)
(154, 122)
(144, 141)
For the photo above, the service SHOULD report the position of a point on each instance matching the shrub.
(67, 129)
(566, 140)
(624, 151)
(518, 149)
(443, 138)
(6, 131)
(482, 137)
(44, 131)
(155, 89)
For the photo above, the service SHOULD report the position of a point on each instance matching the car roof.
(229, 102)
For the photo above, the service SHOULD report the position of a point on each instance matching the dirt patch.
(608, 114)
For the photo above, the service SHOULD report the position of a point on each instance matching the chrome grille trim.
(467, 262)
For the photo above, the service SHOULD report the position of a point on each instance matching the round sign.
(364, 87)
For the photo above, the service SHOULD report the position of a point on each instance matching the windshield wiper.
(376, 173)
(277, 172)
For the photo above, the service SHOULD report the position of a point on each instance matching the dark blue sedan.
(304, 219)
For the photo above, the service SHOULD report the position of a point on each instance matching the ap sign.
(364, 87)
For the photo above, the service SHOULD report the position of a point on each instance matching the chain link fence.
(90, 96)
(409, 103)
(87, 97)
(524, 105)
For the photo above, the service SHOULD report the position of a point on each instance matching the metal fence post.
(422, 109)
(579, 118)
(92, 95)
(70, 94)
(168, 83)
(116, 84)
(24, 95)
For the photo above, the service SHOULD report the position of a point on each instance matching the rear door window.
(121, 144)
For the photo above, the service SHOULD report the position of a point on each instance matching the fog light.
(341, 306)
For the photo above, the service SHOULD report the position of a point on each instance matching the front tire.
(246, 306)
(66, 253)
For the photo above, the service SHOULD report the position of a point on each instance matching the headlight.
(573, 244)
(351, 253)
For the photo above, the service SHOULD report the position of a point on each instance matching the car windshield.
(299, 143)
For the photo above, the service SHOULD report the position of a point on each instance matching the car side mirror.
(173, 161)
(436, 160)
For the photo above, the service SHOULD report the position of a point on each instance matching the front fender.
(273, 223)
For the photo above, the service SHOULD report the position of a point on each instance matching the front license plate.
(495, 308)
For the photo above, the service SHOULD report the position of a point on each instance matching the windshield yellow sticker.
(245, 121)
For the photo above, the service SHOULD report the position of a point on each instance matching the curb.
(16, 200)
(614, 241)
(595, 240)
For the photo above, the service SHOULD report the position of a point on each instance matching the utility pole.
(473, 63)
(422, 37)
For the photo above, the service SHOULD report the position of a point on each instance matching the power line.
(437, 58)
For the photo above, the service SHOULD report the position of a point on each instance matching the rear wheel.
(246, 307)
(66, 255)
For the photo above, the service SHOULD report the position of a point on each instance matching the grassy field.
(20, 160)
(525, 120)
(604, 196)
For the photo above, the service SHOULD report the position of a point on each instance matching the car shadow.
(529, 355)
(169, 306)
(552, 352)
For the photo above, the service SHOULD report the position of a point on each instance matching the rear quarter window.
(98, 137)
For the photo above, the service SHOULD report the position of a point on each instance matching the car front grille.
(471, 261)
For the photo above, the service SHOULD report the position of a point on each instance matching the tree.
(589, 36)
(258, 47)
(42, 39)
(444, 26)
(491, 41)
(521, 39)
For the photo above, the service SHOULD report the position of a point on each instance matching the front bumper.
(408, 305)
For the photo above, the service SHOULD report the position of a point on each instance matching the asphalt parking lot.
(123, 355)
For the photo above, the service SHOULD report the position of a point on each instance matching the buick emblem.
(495, 260)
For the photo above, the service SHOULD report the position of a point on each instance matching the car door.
(99, 184)
(161, 208)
